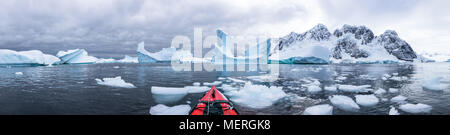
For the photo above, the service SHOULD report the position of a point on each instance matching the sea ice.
(434, 84)
(256, 96)
(168, 95)
(314, 89)
(213, 83)
(323, 109)
(330, 88)
(393, 111)
(366, 100)
(380, 91)
(399, 99)
(161, 109)
(343, 102)
(355, 89)
(19, 73)
(415, 108)
(393, 90)
(196, 89)
(115, 82)
(196, 83)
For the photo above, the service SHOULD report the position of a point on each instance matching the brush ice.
(415, 108)
(212, 83)
(393, 90)
(324, 109)
(344, 103)
(330, 88)
(161, 109)
(393, 111)
(367, 100)
(380, 91)
(434, 84)
(256, 96)
(399, 99)
(76, 56)
(33, 57)
(354, 89)
(115, 82)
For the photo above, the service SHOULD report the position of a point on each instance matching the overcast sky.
(112, 28)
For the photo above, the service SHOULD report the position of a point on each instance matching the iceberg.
(256, 96)
(161, 109)
(415, 108)
(434, 84)
(324, 109)
(344, 103)
(128, 59)
(76, 56)
(26, 58)
(165, 55)
(115, 82)
(367, 100)
(223, 53)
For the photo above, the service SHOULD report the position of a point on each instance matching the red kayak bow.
(214, 103)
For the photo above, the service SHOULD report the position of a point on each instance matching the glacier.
(26, 58)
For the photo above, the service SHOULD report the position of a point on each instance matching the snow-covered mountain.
(349, 44)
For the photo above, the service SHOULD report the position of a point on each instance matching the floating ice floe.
(366, 100)
(196, 83)
(330, 88)
(393, 111)
(18, 73)
(344, 103)
(256, 96)
(115, 82)
(354, 89)
(399, 99)
(323, 109)
(236, 80)
(26, 58)
(168, 95)
(399, 78)
(161, 109)
(196, 89)
(76, 56)
(212, 83)
(264, 78)
(380, 91)
(393, 90)
(415, 108)
(116, 67)
(314, 89)
(434, 84)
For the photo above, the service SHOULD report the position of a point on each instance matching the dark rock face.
(318, 33)
(349, 46)
(396, 46)
(360, 32)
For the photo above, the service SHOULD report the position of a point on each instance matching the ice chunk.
(366, 100)
(415, 108)
(393, 90)
(393, 111)
(115, 82)
(330, 88)
(344, 103)
(128, 59)
(26, 58)
(434, 84)
(236, 80)
(380, 91)
(19, 73)
(168, 95)
(196, 83)
(161, 109)
(213, 83)
(76, 56)
(314, 89)
(399, 99)
(116, 67)
(256, 96)
(323, 109)
(355, 89)
(196, 89)
(264, 78)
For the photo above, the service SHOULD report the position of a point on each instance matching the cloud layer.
(112, 28)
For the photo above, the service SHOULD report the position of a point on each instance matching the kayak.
(214, 103)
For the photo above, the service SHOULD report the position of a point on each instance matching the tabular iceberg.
(26, 58)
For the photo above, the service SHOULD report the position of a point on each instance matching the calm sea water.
(72, 89)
